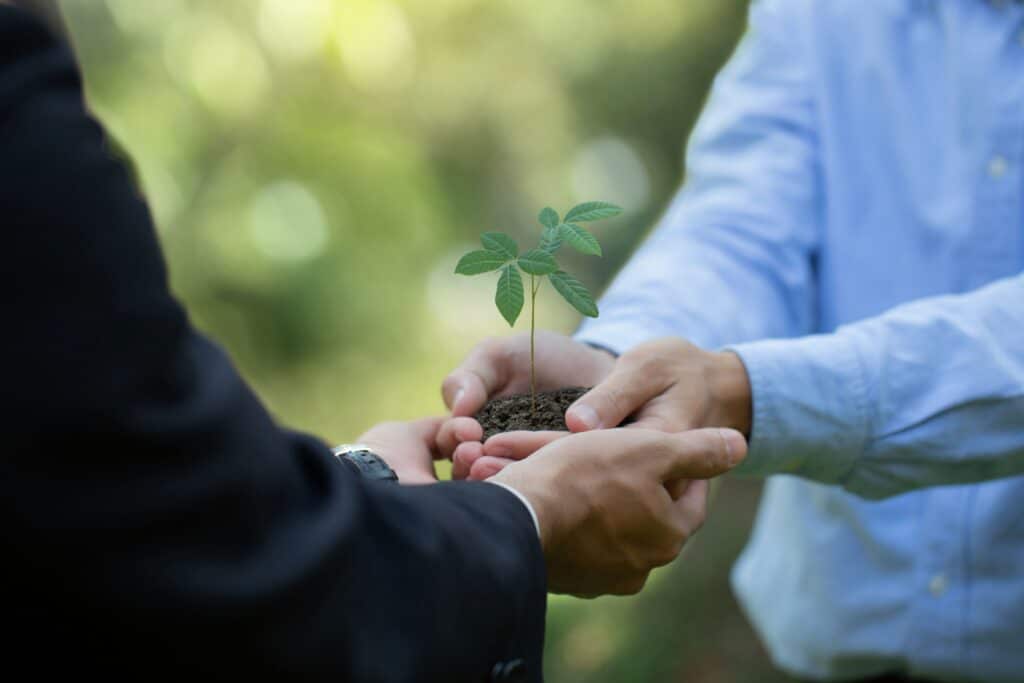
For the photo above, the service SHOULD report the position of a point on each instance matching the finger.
(463, 458)
(627, 389)
(457, 430)
(488, 466)
(701, 453)
(519, 444)
(653, 420)
(481, 374)
(691, 507)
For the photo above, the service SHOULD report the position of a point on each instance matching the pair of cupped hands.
(612, 502)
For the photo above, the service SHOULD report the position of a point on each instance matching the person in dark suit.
(157, 523)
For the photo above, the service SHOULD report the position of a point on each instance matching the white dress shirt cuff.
(529, 507)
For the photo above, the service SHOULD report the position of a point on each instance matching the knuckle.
(666, 554)
(615, 399)
(669, 548)
(493, 350)
(633, 584)
(450, 382)
(676, 345)
(698, 522)
(660, 449)
(638, 564)
(710, 459)
(651, 366)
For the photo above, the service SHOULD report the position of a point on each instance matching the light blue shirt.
(852, 224)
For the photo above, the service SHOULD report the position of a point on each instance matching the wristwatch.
(364, 461)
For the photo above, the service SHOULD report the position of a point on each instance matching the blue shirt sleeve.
(930, 393)
(732, 258)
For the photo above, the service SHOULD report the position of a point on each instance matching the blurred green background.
(316, 167)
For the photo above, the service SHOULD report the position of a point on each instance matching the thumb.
(620, 395)
(477, 379)
(702, 453)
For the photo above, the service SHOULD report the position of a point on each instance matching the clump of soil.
(512, 413)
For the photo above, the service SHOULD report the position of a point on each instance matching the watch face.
(369, 464)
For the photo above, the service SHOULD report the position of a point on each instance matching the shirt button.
(938, 585)
(997, 167)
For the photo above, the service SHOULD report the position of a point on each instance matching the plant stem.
(534, 286)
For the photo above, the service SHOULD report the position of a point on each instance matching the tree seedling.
(501, 253)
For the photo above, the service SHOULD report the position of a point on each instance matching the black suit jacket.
(156, 523)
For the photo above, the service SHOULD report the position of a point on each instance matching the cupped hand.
(501, 367)
(606, 504)
(669, 385)
(478, 461)
(409, 448)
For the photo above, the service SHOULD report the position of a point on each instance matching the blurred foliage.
(316, 167)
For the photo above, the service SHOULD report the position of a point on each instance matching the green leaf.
(592, 211)
(551, 239)
(509, 297)
(481, 261)
(580, 239)
(573, 291)
(500, 243)
(548, 217)
(538, 262)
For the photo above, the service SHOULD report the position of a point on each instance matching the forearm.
(927, 394)
(731, 260)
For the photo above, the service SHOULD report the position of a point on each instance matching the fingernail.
(586, 415)
(458, 394)
(735, 445)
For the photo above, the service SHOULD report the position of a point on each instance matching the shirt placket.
(997, 248)
(941, 614)
(937, 635)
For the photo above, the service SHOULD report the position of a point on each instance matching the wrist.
(603, 360)
(731, 395)
(407, 471)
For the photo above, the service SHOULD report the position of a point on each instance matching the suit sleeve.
(153, 510)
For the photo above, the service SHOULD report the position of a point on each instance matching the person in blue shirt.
(841, 278)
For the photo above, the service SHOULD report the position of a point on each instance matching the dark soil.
(512, 413)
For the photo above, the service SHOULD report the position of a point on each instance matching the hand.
(606, 516)
(501, 367)
(409, 448)
(669, 385)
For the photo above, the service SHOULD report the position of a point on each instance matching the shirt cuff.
(521, 497)
(810, 407)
